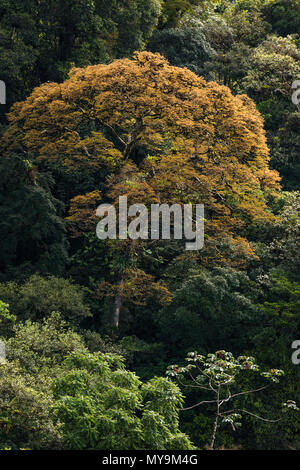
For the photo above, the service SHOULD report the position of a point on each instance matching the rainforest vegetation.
(127, 344)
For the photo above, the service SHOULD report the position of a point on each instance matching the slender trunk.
(117, 305)
(117, 309)
(214, 432)
(215, 427)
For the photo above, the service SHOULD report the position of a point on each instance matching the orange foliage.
(204, 145)
(82, 213)
(136, 286)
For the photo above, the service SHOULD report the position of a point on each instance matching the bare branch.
(251, 414)
(199, 404)
(251, 391)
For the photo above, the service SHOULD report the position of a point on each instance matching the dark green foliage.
(285, 146)
(38, 297)
(184, 47)
(174, 11)
(209, 309)
(283, 16)
(41, 40)
(32, 232)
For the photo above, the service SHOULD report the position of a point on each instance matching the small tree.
(218, 375)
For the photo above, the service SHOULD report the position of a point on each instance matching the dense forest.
(128, 344)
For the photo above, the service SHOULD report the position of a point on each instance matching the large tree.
(162, 135)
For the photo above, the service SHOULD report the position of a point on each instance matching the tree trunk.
(214, 431)
(117, 310)
(216, 421)
(117, 305)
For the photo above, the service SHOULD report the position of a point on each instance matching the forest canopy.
(164, 103)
